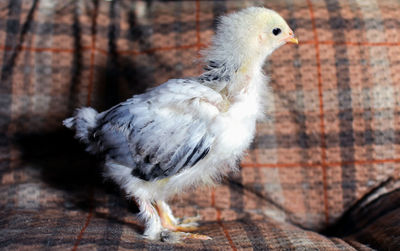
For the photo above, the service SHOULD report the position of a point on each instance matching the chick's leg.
(185, 221)
(170, 222)
(167, 218)
(149, 215)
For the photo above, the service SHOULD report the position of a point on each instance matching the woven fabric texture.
(331, 140)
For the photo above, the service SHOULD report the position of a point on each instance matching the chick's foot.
(178, 236)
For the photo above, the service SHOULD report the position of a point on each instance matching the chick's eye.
(276, 31)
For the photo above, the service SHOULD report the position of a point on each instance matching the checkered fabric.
(332, 140)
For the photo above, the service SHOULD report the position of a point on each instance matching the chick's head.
(250, 32)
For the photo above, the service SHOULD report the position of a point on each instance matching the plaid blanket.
(332, 139)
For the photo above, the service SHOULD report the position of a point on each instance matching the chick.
(187, 132)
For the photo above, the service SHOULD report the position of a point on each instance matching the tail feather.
(83, 121)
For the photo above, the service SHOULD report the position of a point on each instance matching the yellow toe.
(187, 220)
(197, 236)
(186, 228)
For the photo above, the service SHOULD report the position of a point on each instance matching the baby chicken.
(187, 132)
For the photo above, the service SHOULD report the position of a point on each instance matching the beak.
(292, 40)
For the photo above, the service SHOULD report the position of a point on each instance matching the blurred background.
(331, 139)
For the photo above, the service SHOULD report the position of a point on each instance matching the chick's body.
(187, 132)
(180, 138)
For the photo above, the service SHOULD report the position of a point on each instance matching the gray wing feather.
(154, 146)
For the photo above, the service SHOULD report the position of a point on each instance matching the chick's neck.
(243, 78)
